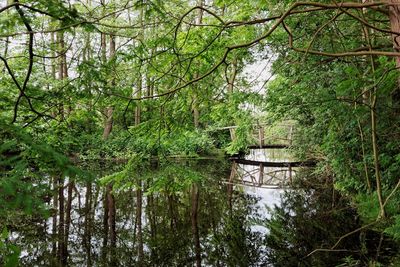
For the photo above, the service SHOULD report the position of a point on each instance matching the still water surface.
(193, 213)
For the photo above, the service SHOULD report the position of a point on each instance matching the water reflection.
(267, 168)
(96, 225)
(187, 214)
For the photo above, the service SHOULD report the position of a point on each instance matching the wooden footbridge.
(266, 174)
(266, 135)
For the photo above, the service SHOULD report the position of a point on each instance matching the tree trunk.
(139, 88)
(109, 110)
(61, 250)
(230, 186)
(111, 223)
(373, 110)
(53, 55)
(173, 219)
(232, 78)
(108, 123)
(195, 228)
(87, 236)
(378, 177)
(195, 105)
(153, 227)
(103, 47)
(105, 226)
(394, 17)
(68, 217)
(55, 207)
(139, 205)
(60, 41)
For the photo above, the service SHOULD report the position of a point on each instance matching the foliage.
(155, 79)
(25, 166)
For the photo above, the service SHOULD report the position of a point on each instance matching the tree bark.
(394, 17)
(232, 78)
(108, 123)
(103, 47)
(53, 55)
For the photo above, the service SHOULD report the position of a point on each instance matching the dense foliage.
(148, 80)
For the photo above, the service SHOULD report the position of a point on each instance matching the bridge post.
(261, 175)
(290, 174)
(261, 136)
(290, 134)
(233, 134)
(230, 184)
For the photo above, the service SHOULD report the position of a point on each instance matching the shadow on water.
(184, 214)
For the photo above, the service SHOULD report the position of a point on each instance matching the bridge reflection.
(266, 169)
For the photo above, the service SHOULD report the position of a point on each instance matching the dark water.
(191, 213)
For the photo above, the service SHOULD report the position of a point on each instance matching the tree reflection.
(182, 214)
(314, 216)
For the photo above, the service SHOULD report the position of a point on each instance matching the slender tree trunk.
(109, 110)
(394, 17)
(378, 177)
(6, 46)
(65, 73)
(86, 49)
(55, 207)
(139, 205)
(140, 76)
(230, 185)
(138, 104)
(373, 111)
(105, 225)
(232, 78)
(364, 156)
(68, 217)
(194, 220)
(60, 41)
(7, 38)
(153, 227)
(171, 208)
(87, 237)
(111, 223)
(103, 41)
(61, 250)
(196, 112)
(195, 105)
(108, 123)
(365, 98)
(53, 55)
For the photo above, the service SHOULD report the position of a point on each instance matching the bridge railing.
(266, 135)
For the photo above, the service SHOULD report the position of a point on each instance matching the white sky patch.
(258, 74)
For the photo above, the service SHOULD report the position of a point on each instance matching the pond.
(192, 213)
